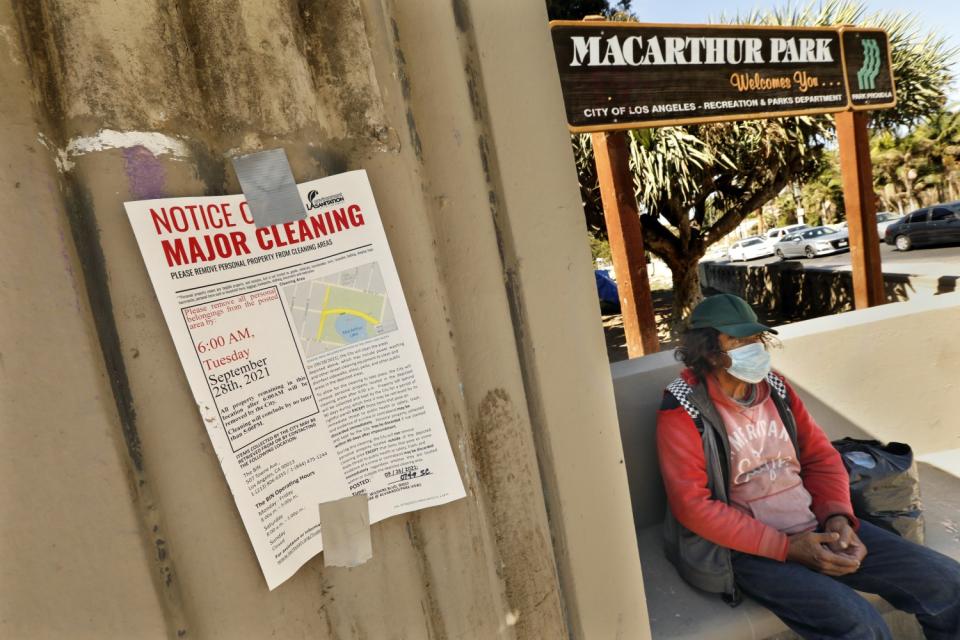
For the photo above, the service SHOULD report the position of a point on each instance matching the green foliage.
(599, 248)
(576, 9)
(824, 195)
(821, 196)
(920, 166)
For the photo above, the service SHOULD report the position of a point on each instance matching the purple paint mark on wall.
(145, 173)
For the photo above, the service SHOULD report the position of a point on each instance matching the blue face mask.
(750, 363)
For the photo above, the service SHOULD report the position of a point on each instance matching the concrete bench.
(679, 611)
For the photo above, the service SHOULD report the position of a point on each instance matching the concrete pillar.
(549, 275)
(73, 528)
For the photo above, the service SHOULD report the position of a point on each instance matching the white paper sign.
(300, 352)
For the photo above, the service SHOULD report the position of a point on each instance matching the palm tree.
(919, 166)
(943, 133)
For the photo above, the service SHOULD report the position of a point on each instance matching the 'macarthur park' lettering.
(633, 51)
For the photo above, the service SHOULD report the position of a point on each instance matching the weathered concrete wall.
(72, 525)
(454, 111)
(552, 298)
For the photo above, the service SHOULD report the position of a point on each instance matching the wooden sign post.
(858, 198)
(627, 75)
(612, 155)
(869, 77)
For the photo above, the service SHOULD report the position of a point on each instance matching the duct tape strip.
(345, 527)
(268, 185)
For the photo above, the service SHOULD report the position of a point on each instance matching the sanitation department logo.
(867, 76)
(316, 201)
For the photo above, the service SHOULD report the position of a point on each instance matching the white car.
(749, 249)
(773, 236)
(714, 254)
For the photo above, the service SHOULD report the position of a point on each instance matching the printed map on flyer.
(298, 346)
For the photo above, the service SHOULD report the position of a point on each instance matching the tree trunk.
(911, 196)
(686, 291)
(829, 212)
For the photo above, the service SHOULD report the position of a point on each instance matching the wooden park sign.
(628, 75)
(625, 75)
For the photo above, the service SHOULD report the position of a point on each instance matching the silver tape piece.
(269, 187)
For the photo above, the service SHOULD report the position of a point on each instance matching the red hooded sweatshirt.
(773, 474)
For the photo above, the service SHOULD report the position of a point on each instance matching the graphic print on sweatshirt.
(765, 473)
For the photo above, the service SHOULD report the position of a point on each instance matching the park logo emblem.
(870, 69)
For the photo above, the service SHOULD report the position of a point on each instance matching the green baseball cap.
(727, 314)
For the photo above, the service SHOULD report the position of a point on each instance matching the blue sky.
(941, 16)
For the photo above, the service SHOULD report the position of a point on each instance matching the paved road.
(942, 260)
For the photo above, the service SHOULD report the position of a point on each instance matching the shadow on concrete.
(613, 327)
(946, 284)
(833, 423)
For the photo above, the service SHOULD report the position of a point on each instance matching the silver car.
(884, 220)
(818, 241)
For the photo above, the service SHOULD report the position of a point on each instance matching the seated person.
(759, 500)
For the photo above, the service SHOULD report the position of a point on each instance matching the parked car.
(773, 236)
(939, 223)
(817, 241)
(749, 249)
(714, 254)
(884, 220)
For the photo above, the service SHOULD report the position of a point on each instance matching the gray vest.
(700, 562)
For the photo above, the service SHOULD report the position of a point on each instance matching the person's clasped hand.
(847, 543)
(835, 552)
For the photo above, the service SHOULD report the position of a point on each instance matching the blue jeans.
(909, 576)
